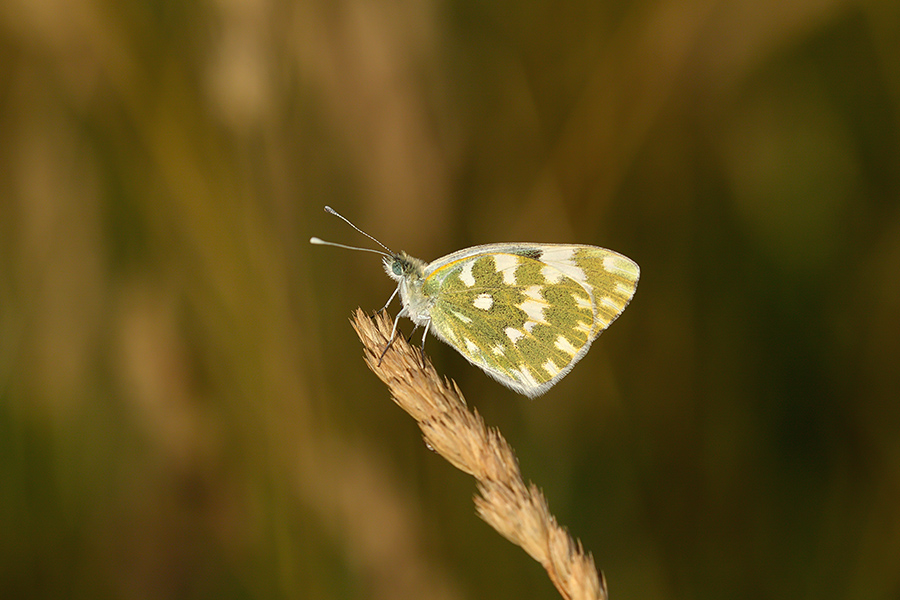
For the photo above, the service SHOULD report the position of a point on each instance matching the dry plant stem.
(516, 510)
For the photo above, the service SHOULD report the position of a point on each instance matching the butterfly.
(524, 313)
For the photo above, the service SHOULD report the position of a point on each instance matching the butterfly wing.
(526, 313)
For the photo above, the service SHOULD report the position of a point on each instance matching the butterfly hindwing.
(526, 313)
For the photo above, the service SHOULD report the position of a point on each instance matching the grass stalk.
(517, 511)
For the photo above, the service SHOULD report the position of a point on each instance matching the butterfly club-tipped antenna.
(321, 242)
(390, 254)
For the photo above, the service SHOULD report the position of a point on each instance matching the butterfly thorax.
(409, 272)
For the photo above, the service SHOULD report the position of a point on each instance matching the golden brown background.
(183, 408)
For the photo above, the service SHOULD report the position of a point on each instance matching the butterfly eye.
(397, 268)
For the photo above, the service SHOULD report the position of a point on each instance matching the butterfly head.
(403, 267)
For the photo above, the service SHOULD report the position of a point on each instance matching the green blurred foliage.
(183, 408)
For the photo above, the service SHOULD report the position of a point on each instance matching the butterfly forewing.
(526, 313)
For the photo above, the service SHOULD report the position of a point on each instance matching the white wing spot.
(465, 274)
(552, 274)
(551, 368)
(561, 254)
(534, 292)
(565, 345)
(573, 272)
(499, 350)
(483, 301)
(472, 347)
(529, 326)
(563, 260)
(514, 334)
(506, 264)
(534, 310)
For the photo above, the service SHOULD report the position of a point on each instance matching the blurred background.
(184, 412)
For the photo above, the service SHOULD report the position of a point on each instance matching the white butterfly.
(525, 313)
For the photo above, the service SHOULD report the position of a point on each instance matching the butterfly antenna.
(321, 242)
(331, 211)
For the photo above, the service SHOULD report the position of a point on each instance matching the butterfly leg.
(388, 303)
(402, 313)
(424, 335)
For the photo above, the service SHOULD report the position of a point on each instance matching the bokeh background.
(184, 412)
